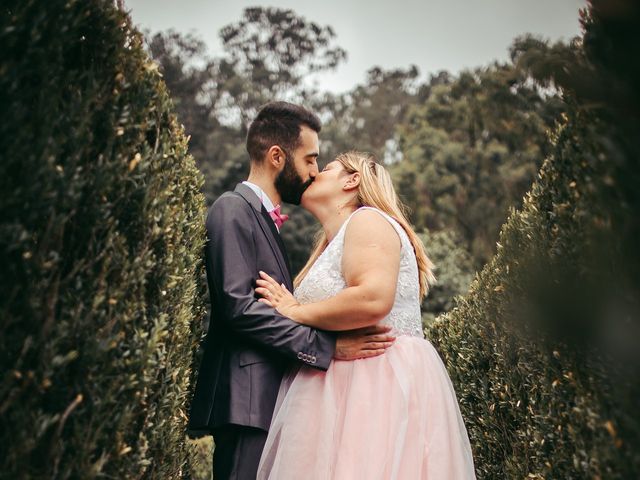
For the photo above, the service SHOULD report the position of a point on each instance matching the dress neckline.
(329, 244)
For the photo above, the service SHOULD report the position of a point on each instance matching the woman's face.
(327, 184)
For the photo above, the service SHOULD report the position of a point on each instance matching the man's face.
(300, 168)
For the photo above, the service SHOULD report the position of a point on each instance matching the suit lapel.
(270, 231)
(276, 235)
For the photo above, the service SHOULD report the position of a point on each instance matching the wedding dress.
(394, 416)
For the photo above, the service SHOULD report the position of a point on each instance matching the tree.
(471, 150)
(192, 78)
(453, 269)
(268, 54)
(366, 118)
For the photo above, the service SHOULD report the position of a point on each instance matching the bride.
(394, 416)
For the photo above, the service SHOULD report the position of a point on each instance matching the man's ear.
(353, 181)
(275, 157)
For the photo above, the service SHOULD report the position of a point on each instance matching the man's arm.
(370, 267)
(232, 258)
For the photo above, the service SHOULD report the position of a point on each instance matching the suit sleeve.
(232, 257)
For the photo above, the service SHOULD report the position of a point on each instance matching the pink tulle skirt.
(390, 417)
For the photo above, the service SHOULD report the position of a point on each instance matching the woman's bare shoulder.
(371, 226)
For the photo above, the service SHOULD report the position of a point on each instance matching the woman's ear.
(353, 181)
(276, 157)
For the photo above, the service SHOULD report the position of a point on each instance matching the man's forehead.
(309, 141)
(306, 132)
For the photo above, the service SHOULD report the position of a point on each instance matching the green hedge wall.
(101, 234)
(543, 349)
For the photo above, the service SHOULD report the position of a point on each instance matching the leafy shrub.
(543, 349)
(101, 238)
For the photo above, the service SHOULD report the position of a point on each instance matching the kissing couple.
(327, 376)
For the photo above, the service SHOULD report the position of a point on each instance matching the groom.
(249, 345)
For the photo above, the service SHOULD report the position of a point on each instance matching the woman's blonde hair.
(376, 190)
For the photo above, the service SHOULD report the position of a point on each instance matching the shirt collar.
(264, 198)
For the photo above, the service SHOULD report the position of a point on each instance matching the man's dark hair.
(278, 123)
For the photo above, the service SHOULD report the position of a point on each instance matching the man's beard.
(290, 184)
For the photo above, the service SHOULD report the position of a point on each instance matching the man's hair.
(278, 123)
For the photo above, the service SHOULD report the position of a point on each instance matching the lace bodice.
(325, 280)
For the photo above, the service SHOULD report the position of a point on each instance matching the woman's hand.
(276, 296)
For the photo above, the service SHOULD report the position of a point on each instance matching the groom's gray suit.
(249, 345)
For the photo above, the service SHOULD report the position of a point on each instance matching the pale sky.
(432, 34)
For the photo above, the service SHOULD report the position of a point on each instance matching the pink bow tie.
(277, 217)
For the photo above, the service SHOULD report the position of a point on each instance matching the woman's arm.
(370, 265)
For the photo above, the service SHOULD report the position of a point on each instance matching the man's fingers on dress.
(377, 330)
(380, 338)
(378, 345)
(374, 353)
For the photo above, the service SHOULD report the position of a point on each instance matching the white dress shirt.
(264, 198)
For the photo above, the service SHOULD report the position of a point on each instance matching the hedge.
(101, 223)
(543, 348)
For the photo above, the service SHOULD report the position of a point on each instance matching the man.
(249, 345)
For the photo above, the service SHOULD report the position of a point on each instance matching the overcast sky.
(432, 34)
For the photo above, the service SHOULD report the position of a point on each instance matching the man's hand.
(363, 343)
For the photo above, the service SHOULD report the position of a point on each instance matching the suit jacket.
(249, 345)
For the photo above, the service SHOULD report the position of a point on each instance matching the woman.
(394, 416)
